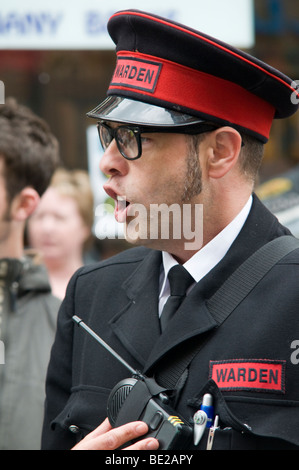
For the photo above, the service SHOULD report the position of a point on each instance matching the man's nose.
(112, 162)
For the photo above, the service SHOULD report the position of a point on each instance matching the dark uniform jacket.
(249, 363)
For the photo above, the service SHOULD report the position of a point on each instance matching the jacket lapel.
(191, 319)
(137, 324)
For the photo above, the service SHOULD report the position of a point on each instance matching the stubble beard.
(192, 187)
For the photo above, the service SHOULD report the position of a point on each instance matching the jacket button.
(73, 428)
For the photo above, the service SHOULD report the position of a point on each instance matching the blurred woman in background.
(61, 226)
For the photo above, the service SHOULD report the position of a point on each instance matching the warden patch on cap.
(168, 65)
(136, 73)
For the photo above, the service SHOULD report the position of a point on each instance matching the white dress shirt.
(207, 257)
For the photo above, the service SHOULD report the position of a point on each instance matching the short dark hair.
(28, 148)
(251, 154)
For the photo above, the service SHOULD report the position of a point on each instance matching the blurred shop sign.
(54, 24)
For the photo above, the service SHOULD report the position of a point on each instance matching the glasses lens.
(127, 142)
(105, 137)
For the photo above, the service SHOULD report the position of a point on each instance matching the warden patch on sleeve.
(252, 375)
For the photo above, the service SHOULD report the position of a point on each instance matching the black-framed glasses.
(128, 137)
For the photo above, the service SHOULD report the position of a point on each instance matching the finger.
(123, 434)
(104, 427)
(114, 438)
(145, 444)
(101, 429)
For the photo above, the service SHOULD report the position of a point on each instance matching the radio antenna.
(105, 345)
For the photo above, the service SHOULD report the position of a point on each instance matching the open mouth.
(121, 205)
(121, 209)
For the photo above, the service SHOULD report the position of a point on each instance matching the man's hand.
(106, 438)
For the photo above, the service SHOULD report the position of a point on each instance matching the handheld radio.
(141, 398)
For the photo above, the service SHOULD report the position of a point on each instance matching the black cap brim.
(125, 110)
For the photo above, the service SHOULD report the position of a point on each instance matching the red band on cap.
(196, 91)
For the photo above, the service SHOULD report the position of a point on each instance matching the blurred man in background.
(29, 154)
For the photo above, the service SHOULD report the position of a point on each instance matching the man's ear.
(24, 204)
(225, 151)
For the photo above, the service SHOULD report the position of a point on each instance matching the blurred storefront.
(277, 42)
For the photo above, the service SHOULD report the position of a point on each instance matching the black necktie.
(179, 280)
